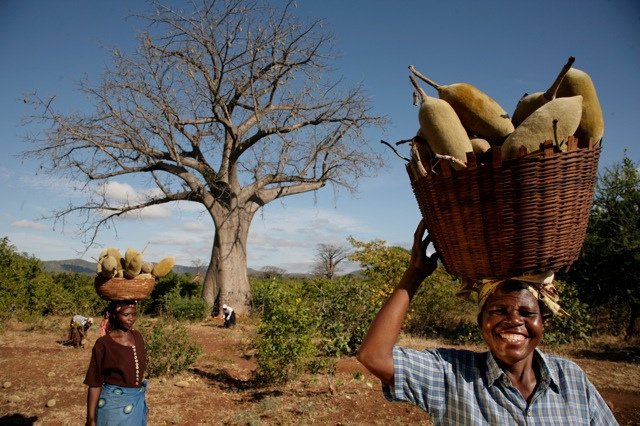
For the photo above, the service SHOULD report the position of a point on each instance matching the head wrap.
(539, 284)
(110, 312)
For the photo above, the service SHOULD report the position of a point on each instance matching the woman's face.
(512, 324)
(126, 317)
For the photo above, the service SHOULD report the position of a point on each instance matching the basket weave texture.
(504, 219)
(124, 288)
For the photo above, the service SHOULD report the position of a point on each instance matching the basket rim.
(119, 288)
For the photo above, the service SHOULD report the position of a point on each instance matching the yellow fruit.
(554, 121)
(531, 102)
(480, 114)
(442, 128)
(578, 82)
(163, 267)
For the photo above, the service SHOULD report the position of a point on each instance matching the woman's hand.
(420, 263)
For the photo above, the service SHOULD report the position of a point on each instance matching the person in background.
(511, 383)
(78, 328)
(115, 377)
(229, 316)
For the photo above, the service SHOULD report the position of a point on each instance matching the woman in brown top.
(116, 373)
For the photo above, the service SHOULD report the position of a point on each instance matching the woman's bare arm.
(376, 351)
(93, 394)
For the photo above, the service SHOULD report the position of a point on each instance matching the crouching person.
(78, 328)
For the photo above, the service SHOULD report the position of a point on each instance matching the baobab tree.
(328, 259)
(230, 104)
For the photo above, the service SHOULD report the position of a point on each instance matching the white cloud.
(288, 238)
(123, 193)
(119, 191)
(28, 224)
(153, 212)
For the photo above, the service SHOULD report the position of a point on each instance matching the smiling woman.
(511, 383)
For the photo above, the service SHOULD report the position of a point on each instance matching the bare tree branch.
(231, 104)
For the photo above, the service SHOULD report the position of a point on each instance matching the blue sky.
(504, 48)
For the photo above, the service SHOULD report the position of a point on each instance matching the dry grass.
(220, 390)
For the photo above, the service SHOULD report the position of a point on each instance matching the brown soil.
(36, 367)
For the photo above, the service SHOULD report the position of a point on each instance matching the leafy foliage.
(344, 307)
(608, 270)
(285, 335)
(26, 290)
(177, 296)
(382, 265)
(437, 312)
(577, 326)
(169, 347)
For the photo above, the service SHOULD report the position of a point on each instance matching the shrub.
(437, 312)
(177, 296)
(189, 308)
(81, 291)
(576, 326)
(344, 307)
(26, 290)
(285, 335)
(169, 347)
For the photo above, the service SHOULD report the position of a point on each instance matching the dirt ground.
(41, 383)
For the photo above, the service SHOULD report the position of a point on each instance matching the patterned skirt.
(118, 405)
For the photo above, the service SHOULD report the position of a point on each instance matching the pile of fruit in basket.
(111, 264)
(464, 119)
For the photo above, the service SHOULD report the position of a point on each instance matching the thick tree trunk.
(226, 280)
(210, 290)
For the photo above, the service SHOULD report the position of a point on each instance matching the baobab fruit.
(163, 267)
(531, 102)
(147, 267)
(132, 263)
(477, 111)
(107, 266)
(479, 145)
(555, 121)
(578, 82)
(441, 127)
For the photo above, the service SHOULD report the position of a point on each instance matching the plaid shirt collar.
(548, 377)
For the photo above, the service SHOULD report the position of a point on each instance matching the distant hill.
(70, 265)
(80, 266)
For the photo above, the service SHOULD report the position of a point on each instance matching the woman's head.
(119, 315)
(511, 322)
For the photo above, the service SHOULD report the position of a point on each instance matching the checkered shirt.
(459, 387)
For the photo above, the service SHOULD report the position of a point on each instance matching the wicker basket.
(504, 219)
(123, 288)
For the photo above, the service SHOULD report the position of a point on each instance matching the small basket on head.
(124, 288)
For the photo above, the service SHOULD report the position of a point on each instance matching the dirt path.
(35, 369)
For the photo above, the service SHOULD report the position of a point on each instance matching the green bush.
(189, 308)
(285, 341)
(437, 312)
(82, 294)
(169, 347)
(26, 290)
(576, 326)
(177, 296)
(344, 307)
